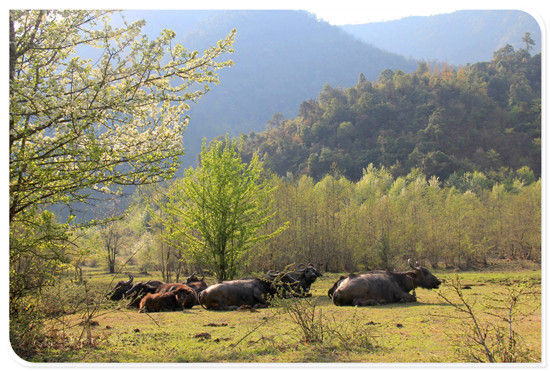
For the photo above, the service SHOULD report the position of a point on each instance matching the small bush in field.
(323, 331)
(495, 340)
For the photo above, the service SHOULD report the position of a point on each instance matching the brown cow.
(183, 297)
(190, 297)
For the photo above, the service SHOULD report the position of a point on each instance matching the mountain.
(282, 57)
(457, 38)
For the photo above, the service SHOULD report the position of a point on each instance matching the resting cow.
(166, 301)
(139, 290)
(189, 296)
(382, 287)
(230, 295)
(296, 283)
(120, 288)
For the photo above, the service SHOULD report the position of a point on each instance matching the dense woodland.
(440, 165)
(443, 121)
(340, 225)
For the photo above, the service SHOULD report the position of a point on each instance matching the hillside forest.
(445, 121)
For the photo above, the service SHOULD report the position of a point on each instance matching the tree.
(529, 42)
(80, 124)
(223, 203)
(112, 237)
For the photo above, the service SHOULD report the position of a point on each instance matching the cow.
(139, 290)
(335, 286)
(117, 293)
(191, 297)
(196, 284)
(166, 301)
(382, 287)
(230, 295)
(296, 283)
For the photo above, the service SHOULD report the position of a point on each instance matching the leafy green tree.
(223, 203)
(82, 125)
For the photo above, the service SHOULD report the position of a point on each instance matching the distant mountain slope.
(461, 37)
(482, 117)
(281, 59)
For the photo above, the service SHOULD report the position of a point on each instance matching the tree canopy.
(114, 118)
(222, 206)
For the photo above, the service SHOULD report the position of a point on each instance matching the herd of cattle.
(372, 288)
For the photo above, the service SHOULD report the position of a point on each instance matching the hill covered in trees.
(461, 37)
(442, 121)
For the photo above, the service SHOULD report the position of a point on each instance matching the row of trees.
(339, 225)
(380, 221)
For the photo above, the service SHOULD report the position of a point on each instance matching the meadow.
(426, 331)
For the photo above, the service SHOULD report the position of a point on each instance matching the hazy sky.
(336, 12)
(357, 15)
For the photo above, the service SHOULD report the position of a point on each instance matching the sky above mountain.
(343, 11)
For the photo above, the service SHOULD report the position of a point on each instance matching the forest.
(443, 121)
(437, 169)
(345, 226)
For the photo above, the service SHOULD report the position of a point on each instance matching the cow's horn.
(131, 279)
(410, 263)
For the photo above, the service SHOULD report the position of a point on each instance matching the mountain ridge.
(461, 37)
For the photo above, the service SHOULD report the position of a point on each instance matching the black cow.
(196, 284)
(230, 295)
(139, 290)
(382, 287)
(120, 288)
(296, 283)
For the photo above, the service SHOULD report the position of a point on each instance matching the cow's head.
(335, 286)
(309, 272)
(197, 284)
(185, 297)
(423, 277)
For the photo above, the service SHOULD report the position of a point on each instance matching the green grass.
(414, 332)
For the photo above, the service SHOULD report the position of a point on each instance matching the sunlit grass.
(413, 332)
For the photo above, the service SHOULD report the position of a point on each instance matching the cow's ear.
(412, 274)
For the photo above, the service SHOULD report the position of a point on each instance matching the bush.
(495, 339)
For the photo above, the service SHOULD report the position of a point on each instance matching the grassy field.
(425, 331)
